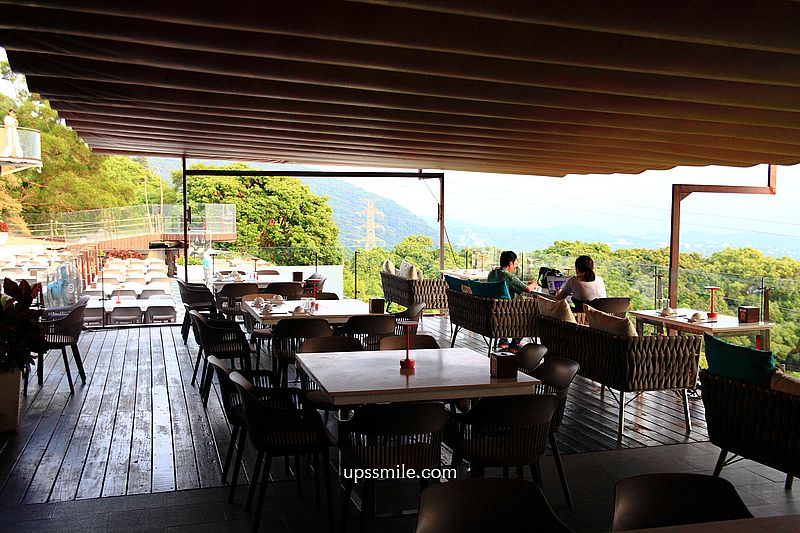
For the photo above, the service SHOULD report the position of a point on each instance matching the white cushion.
(412, 272)
(555, 308)
(388, 267)
(404, 269)
(615, 325)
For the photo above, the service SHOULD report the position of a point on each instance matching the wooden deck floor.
(137, 426)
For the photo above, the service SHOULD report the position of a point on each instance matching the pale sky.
(632, 204)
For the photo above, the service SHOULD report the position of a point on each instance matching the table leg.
(639, 326)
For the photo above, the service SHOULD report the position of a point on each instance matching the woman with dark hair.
(585, 285)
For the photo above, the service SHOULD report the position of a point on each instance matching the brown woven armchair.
(385, 436)
(502, 431)
(406, 291)
(494, 318)
(626, 364)
(752, 422)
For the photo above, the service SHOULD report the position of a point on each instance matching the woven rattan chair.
(327, 296)
(57, 334)
(196, 297)
(224, 340)
(663, 500)
(406, 292)
(752, 422)
(282, 432)
(503, 432)
(412, 312)
(229, 298)
(486, 505)
(125, 315)
(369, 329)
(417, 342)
(614, 306)
(209, 319)
(556, 375)
(287, 338)
(290, 290)
(387, 435)
(626, 364)
(234, 411)
(315, 398)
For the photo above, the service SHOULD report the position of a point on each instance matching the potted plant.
(20, 335)
(3, 233)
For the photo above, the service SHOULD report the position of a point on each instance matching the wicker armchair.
(413, 312)
(502, 431)
(752, 422)
(276, 431)
(234, 410)
(224, 340)
(493, 318)
(556, 375)
(405, 291)
(626, 364)
(58, 333)
(369, 329)
(287, 338)
(481, 505)
(387, 435)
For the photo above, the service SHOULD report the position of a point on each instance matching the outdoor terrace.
(133, 449)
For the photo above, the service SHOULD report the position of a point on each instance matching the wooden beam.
(683, 190)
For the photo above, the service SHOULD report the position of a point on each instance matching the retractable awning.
(545, 88)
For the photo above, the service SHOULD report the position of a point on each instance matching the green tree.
(277, 218)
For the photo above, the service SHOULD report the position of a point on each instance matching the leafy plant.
(3, 227)
(20, 330)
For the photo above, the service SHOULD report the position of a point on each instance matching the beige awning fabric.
(547, 88)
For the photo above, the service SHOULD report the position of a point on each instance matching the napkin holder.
(749, 314)
(503, 365)
(376, 305)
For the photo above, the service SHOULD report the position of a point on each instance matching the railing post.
(355, 275)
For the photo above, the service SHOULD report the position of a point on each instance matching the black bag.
(547, 272)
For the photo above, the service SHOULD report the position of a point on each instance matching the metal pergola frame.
(308, 174)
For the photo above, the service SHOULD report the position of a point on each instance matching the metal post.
(441, 222)
(185, 224)
(355, 275)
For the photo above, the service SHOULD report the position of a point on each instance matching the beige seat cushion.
(615, 325)
(784, 383)
(388, 267)
(555, 308)
(404, 269)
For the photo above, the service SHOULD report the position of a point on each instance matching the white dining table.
(352, 378)
(334, 311)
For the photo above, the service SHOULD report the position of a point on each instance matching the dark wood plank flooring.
(138, 426)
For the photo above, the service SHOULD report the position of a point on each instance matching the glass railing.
(209, 222)
(22, 143)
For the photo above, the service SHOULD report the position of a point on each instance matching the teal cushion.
(453, 283)
(490, 289)
(737, 362)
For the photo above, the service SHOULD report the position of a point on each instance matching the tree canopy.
(277, 218)
(72, 177)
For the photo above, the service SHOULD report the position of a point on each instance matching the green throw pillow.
(737, 362)
(490, 289)
(453, 283)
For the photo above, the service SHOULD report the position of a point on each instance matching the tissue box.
(376, 305)
(749, 313)
(503, 365)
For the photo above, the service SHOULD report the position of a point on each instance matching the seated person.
(508, 262)
(585, 286)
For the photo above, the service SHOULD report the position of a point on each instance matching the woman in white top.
(585, 285)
